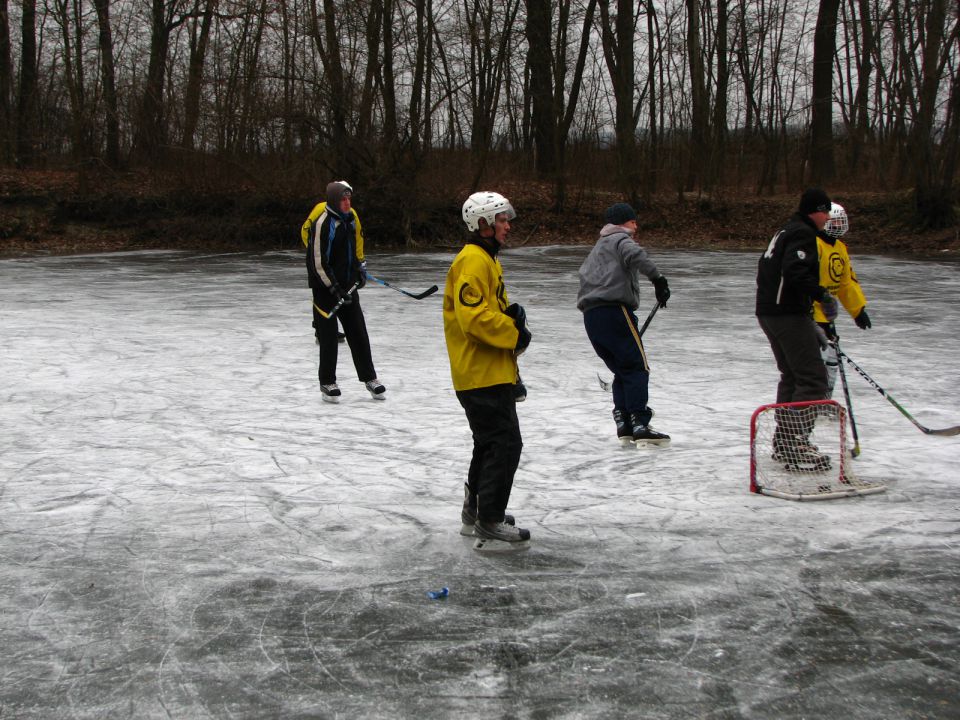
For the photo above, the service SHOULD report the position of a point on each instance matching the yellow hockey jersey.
(480, 337)
(837, 276)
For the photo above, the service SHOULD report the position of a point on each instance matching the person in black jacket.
(788, 283)
(336, 270)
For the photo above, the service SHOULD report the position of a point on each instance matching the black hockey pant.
(492, 414)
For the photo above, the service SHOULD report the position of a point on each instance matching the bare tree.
(6, 87)
(109, 81)
(201, 20)
(28, 108)
(552, 111)
(617, 36)
(820, 155)
(934, 194)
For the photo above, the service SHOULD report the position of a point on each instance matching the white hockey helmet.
(486, 205)
(837, 224)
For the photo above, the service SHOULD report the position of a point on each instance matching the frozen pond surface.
(187, 531)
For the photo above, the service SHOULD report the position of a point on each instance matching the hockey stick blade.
(416, 296)
(942, 432)
(604, 385)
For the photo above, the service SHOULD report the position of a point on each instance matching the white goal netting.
(799, 451)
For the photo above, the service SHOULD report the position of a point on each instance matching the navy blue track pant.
(614, 333)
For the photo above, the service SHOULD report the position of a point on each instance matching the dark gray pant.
(793, 339)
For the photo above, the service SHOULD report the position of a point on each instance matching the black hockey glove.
(832, 333)
(362, 275)
(519, 315)
(662, 290)
(863, 320)
(523, 339)
(340, 296)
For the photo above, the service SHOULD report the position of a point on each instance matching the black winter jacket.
(788, 274)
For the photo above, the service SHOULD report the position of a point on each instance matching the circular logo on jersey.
(836, 266)
(469, 296)
(801, 254)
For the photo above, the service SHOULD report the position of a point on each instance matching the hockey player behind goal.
(819, 469)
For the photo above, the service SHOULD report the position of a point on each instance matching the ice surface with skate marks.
(187, 530)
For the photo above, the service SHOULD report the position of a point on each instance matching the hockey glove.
(362, 275)
(822, 339)
(341, 297)
(662, 290)
(523, 339)
(519, 315)
(829, 307)
(863, 320)
(831, 331)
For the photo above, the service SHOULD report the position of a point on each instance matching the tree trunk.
(199, 41)
(6, 87)
(820, 155)
(108, 78)
(28, 112)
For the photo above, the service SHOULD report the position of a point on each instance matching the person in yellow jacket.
(336, 270)
(838, 276)
(306, 231)
(484, 334)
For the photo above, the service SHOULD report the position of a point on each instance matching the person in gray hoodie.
(609, 296)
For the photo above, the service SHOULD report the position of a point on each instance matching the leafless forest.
(419, 101)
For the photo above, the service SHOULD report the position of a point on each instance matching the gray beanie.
(619, 213)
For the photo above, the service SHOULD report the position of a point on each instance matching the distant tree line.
(413, 96)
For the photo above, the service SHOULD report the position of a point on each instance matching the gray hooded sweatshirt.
(611, 273)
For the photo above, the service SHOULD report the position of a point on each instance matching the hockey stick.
(416, 296)
(944, 432)
(340, 303)
(846, 395)
(606, 386)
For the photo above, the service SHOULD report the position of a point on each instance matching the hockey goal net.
(799, 451)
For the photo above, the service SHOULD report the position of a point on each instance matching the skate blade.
(490, 545)
(331, 398)
(466, 529)
(650, 443)
(381, 396)
(627, 442)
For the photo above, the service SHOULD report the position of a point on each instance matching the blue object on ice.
(438, 594)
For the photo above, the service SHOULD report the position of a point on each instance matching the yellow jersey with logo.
(837, 276)
(480, 337)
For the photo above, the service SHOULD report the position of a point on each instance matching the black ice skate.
(644, 435)
(799, 455)
(624, 428)
(468, 515)
(376, 389)
(500, 537)
(330, 393)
